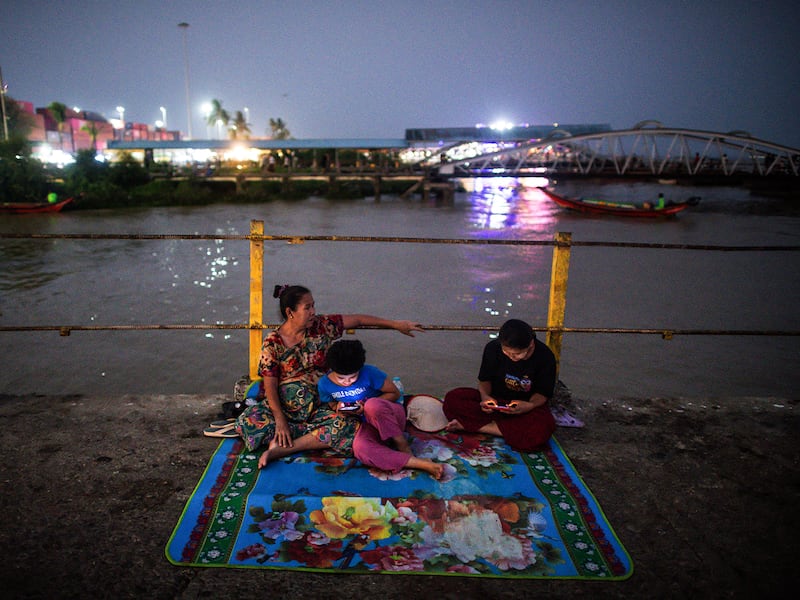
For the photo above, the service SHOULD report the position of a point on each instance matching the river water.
(130, 282)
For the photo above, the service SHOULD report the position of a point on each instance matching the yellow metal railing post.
(558, 293)
(256, 294)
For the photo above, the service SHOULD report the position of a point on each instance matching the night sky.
(352, 69)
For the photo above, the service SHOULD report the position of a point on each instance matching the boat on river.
(26, 208)
(617, 208)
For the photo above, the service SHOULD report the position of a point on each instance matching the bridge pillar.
(443, 190)
(376, 186)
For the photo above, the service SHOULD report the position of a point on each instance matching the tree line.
(238, 127)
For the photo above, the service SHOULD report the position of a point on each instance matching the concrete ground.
(703, 493)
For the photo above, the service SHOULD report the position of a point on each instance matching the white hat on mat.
(426, 413)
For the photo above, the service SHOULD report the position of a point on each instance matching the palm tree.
(90, 127)
(218, 115)
(278, 129)
(239, 127)
(58, 110)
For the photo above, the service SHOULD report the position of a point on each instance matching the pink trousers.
(524, 433)
(383, 421)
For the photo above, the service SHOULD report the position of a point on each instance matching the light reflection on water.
(516, 209)
(503, 203)
(93, 282)
(216, 263)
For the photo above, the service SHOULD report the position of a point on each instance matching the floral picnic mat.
(495, 513)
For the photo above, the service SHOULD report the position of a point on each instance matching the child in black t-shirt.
(516, 379)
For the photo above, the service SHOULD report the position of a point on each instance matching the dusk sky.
(372, 69)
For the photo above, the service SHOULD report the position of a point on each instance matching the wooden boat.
(624, 209)
(24, 208)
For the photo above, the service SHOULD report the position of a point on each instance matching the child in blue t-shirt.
(366, 392)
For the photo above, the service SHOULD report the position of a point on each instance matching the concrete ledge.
(703, 494)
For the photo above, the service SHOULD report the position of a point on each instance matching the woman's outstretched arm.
(403, 326)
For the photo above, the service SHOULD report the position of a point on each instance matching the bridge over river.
(647, 150)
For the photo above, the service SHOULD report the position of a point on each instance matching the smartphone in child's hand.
(349, 407)
(505, 406)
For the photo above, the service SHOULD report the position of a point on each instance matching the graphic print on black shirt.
(518, 384)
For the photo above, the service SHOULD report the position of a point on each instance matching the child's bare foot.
(454, 425)
(434, 469)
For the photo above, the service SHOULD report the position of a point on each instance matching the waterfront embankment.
(702, 493)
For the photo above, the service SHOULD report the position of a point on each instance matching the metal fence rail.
(300, 239)
(66, 330)
(554, 329)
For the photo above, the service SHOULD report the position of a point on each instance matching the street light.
(163, 115)
(184, 27)
(3, 106)
(207, 114)
(121, 111)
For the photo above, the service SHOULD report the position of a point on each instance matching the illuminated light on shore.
(241, 153)
(502, 125)
(202, 155)
(535, 182)
(47, 154)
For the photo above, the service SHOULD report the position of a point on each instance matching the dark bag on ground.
(245, 393)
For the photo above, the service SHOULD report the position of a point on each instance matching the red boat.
(623, 209)
(25, 208)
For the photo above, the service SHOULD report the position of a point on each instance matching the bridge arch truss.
(642, 150)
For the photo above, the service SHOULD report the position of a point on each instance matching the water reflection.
(194, 276)
(503, 203)
(216, 262)
(185, 282)
(491, 200)
(506, 208)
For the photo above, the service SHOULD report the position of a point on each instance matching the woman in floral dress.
(290, 418)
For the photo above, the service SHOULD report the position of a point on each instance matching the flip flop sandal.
(221, 423)
(564, 418)
(221, 432)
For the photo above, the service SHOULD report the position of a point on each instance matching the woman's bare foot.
(454, 425)
(301, 444)
(434, 469)
(263, 460)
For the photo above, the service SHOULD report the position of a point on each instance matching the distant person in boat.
(52, 198)
(659, 204)
(366, 394)
(290, 418)
(516, 380)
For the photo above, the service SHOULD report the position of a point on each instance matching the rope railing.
(555, 328)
